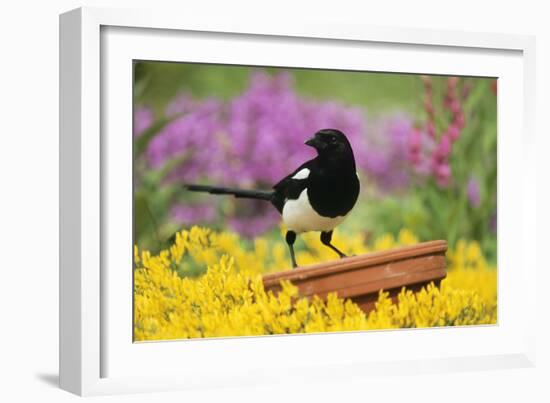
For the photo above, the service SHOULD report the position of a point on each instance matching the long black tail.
(239, 193)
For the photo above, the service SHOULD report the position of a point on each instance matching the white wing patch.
(301, 174)
(299, 216)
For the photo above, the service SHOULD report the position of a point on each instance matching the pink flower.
(453, 132)
(443, 174)
(415, 140)
(455, 106)
(444, 147)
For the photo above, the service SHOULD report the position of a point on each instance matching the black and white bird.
(317, 196)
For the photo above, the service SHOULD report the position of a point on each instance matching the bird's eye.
(333, 139)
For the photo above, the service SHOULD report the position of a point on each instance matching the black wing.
(290, 188)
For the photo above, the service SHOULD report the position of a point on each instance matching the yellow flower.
(384, 242)
(406, 237)
(229, 299)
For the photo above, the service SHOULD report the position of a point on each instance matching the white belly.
(299, 216)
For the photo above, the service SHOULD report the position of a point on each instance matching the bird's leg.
(325, 239)
(290, 239)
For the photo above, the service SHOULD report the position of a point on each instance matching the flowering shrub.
(451, 166)
(229, 299)
(256, 139)
(442, 141)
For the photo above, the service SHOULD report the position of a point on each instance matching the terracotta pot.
(360, 278)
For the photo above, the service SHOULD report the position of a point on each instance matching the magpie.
(317, 196)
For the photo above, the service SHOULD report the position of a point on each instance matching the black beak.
(315, 143)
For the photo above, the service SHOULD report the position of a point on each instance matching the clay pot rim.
(360, 262)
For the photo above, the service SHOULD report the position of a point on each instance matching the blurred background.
(425, 148)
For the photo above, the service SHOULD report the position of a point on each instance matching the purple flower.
(256, 138)
(388, 154)
(183, 103)
(191, 138)
(473, 192)
(268, 124)
(143, 119)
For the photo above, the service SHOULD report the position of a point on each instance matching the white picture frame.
(96, 356)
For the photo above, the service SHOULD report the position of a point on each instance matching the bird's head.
(331, 142)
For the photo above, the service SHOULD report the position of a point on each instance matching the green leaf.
(144, 220)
